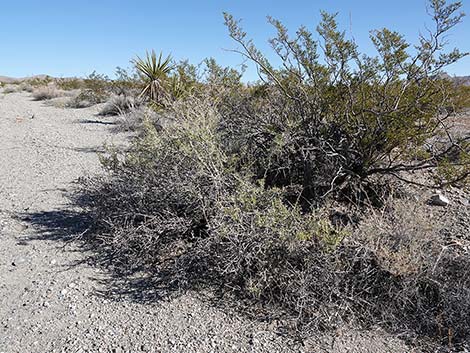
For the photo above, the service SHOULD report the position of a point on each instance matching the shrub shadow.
(122, 282)
(168, 280)
(179, 274)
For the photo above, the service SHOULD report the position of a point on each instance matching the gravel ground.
(52, 300)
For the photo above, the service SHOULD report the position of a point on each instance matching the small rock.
(439, 200)
(19, 227)
(18, 261)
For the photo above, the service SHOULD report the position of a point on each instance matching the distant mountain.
(6, 79)
(458, 80)
(461, 80)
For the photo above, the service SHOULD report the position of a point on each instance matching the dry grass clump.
(26, 87)
(433, 292)
(46, 93)
(10, 89)
(403, 236)
(84, 99)
(135, 119)
(118, 105)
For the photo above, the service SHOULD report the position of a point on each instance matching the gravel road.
(53, 301)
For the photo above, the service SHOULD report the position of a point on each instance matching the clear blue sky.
(74, 37)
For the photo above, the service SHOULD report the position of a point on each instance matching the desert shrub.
(462, 97)
(95, 89)
(46, 93)
(176, 205)
(268, 251)
(165, 187)
(69, 84)
(135, 120)
(230, 193)
(40, 81)
(98, 84)
(391, 270)
(26, 87)
(187, 77)
(331, 118)
(127, 82)
(85, 98)
(118, 104)
(402, 235)
(9, 89)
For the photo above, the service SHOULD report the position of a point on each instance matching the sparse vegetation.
(26, 87)
(118, 105)
(135, 119)
(70, 84)
(46, 93)
(9, 89)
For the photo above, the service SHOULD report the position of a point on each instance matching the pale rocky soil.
(52, 300)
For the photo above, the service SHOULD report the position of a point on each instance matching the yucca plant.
(154, 72)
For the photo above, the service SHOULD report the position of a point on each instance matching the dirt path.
(51, 301)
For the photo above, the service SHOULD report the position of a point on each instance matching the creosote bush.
(176, 206)
(331, 118)
(229, 186)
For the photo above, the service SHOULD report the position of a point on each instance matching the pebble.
(18, 261)
(439, 200)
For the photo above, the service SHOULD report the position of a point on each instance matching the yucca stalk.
(154, 72)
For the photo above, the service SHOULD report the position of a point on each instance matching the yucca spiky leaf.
(153, 71)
